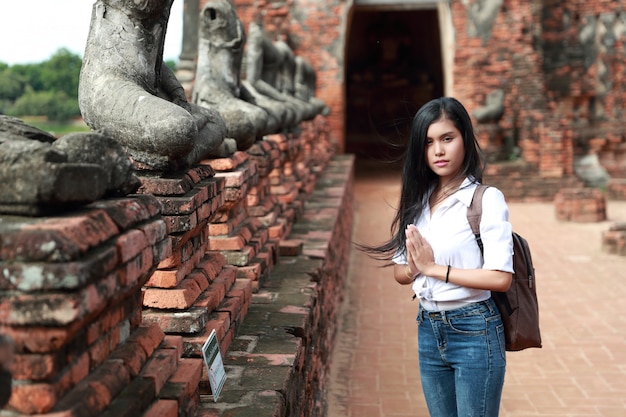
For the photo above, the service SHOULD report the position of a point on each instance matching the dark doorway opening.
(393, 66)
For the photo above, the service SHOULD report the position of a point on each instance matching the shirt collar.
(464, 194)
(466, 191)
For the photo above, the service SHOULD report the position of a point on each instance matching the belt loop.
(489, 303)
(444, 317)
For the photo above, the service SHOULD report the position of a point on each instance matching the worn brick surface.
(185, 381)
(580, 205)
(135, 398)
(94, 353)
(227, 164)
(174, 186)
(38, 276)
(181, 297)
(280, 335)
(55, 239)
(162, 408)
(160, 367)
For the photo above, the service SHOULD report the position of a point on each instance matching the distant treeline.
(49, 88)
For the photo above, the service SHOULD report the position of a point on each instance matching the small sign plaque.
(214, 364)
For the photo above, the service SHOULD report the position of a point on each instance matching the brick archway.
(394, 63)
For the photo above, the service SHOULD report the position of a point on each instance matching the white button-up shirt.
(453, 243)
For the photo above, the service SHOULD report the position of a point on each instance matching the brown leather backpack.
(518, 306)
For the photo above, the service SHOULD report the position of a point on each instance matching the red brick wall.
(314, 32)
(109, 306)
(563, 96)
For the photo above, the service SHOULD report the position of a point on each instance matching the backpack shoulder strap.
(475, 213)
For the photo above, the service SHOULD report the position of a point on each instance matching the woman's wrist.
(409, 274)
(441, 272)
(434, 270)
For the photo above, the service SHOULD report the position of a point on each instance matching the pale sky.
(31, 31)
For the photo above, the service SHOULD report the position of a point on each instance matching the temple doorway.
(393, 65)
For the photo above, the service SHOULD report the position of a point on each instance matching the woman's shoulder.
(490, 194)
(494, 204)
(493, 193)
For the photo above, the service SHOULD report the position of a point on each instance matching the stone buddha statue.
(305, 83)
(218, 75)
(40, 174)
(128, 93)
(262, 65)
(285, 82)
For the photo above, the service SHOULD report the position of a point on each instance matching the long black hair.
(417, 177)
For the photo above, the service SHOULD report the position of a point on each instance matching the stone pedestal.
(616, 189)
(580, 205)
(614, 239)
(196, 290)
(70, 298)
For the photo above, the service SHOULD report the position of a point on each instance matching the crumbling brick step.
(279, 354)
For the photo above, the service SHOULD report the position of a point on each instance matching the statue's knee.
(175, 135)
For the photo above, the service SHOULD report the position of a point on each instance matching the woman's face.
(445, 149)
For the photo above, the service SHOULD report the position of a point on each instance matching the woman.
(460, 335)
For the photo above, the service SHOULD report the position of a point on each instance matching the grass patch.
(57, 129)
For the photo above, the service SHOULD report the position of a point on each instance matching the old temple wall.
(546, 75)
(109, 305)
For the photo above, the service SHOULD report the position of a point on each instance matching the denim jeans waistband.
(442, 305)
(486, 305)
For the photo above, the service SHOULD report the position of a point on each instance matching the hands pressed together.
(419, 253)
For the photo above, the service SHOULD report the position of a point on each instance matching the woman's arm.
(403, 274)
(480, 279)
(420, 254)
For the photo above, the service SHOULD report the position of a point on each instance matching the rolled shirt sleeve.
(495, 232)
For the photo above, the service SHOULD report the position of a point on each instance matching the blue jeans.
(462, 360)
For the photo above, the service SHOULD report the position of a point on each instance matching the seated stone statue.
(305, 83)
(218, 84)
(263, 60)
(127, 92)
(285, 80)
(40, 174)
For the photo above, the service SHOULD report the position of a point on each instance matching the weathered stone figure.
(127, 92)
(218, 75)
(40, 174)
(285, 80)
(261, 68)
(305, 82)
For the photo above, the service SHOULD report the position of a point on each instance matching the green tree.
(48, 89)
(61, 73)
(56, 105)
(30, 73)
(12, 84)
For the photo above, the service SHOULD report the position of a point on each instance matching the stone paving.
(580, 371)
